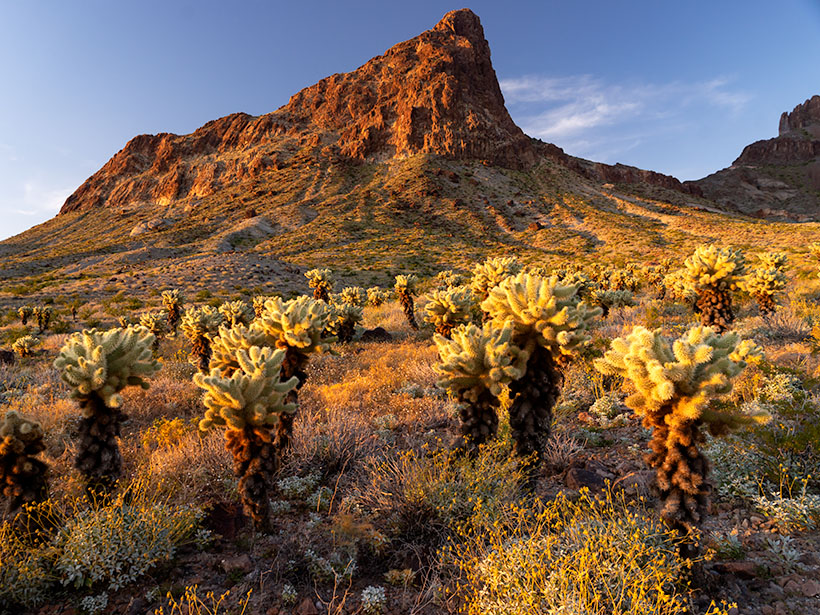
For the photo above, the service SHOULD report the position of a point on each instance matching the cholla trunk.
(604, 310)
(406, 301)
(320, 294)
(346, 331)
(682, 475)
(479, 422)
(173, 318)
(254, 463)
(24, 320)
(766, 304)
(23, 477)
(534, 396)
(98, 456)
(292, 365)
(42, 322)
(715, 308)
(661, 293)
(201, 350)
(445, 329)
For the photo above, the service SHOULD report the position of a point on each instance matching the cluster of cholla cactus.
(98, 366)
(352, 295)
(172, 300)
(449, 279)
(675, 383)
(712, 273)
(342, 321)
(405, 288)
(237, 313)
(608, 299)
(491, 272)
(259, 305)
(200, 325)
(24, 346)
(43, 315)
(550, 325)
(446, 309)
(765, 281)
(624, 279)
(250, 400)
(475, 364)
(156, 324)
(321, 281)
(25, 312)
(581, 281)
(22, 475)
(377, 296)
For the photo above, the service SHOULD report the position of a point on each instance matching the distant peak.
(462, 22)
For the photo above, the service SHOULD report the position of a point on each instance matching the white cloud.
(39, 198)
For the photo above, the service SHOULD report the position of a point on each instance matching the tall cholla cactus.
(250, 402)
(43, 316)
(377, 296)
(475, 364)
(237, 313)
(156, 324)
(446, 309)
(321, 281)
(199, 325)
(22, 475)
(25, 345)
(343, 318)
(98, 366)
(675, 383)
(550, 326)
(405, 288)
(491, 272)
(712, 273)
(25, 312)
(172, 300)
(353, 295)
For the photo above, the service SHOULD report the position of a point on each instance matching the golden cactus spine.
(23, 477)
(405, 288)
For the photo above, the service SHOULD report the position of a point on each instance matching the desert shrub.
(192, 603)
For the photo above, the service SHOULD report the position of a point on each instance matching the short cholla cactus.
(259, 305)
(25, 312)
(25, 345)
(22, 475)
(712, 273)
(250, 403)
(343, 318)
(353, 295)
(491, 272)
(405, 288)
(321, 281)
(766, 281)
(156, 324)
(579, 280)
(474, 366)
(43, 316)
(124, 322)
(608, 299)
(550, 326)
(199, 325)
(676, 285)
(449, 279)
(98, 366)
(675, 383)
(449, 308)
(377, 296)
(237, 313)
(172, 300)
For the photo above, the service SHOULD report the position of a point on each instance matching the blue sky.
(678, 87)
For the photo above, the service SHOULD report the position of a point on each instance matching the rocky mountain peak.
(805, 116)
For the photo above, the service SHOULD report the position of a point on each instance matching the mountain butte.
(410, 162)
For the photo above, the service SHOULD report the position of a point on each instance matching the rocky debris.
(576, 478)
(155, 224)
(379, 334)
(6, 357)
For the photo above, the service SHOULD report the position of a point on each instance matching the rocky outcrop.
(624, 174)
(805, 116)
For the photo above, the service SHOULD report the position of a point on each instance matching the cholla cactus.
(474, 366)
(654, 276)
(342, 321)
(172, 300)
(377, 296)
(237, 313)
(713, 272)
(22, 475)
(321, 281)
(449, 308)
(154, 322)
(98, 366)
(774, 260)
(250, 403)
(353, 295)
(677, 286)
(550, 326)
(259, 305)
(763, 284)
(608, 299)
(579, 280)
(491, 272)
(405, 288)
(623, 279)
(43, 316)
(449, 279)
(199, 325)
(124, 322)
(675, 383)
(25, 312)
(25, 345)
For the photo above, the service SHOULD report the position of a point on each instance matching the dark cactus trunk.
(346, 331)
(201, 351)
(406, 301)
(22, 476)
(479, 422)
(292, 365)
(255, 462)
(715, 308)
(98, 456)
(173, 318)
(445, 329)
(320, 294)
(766, 304)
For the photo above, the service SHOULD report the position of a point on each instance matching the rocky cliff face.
(805, 116)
